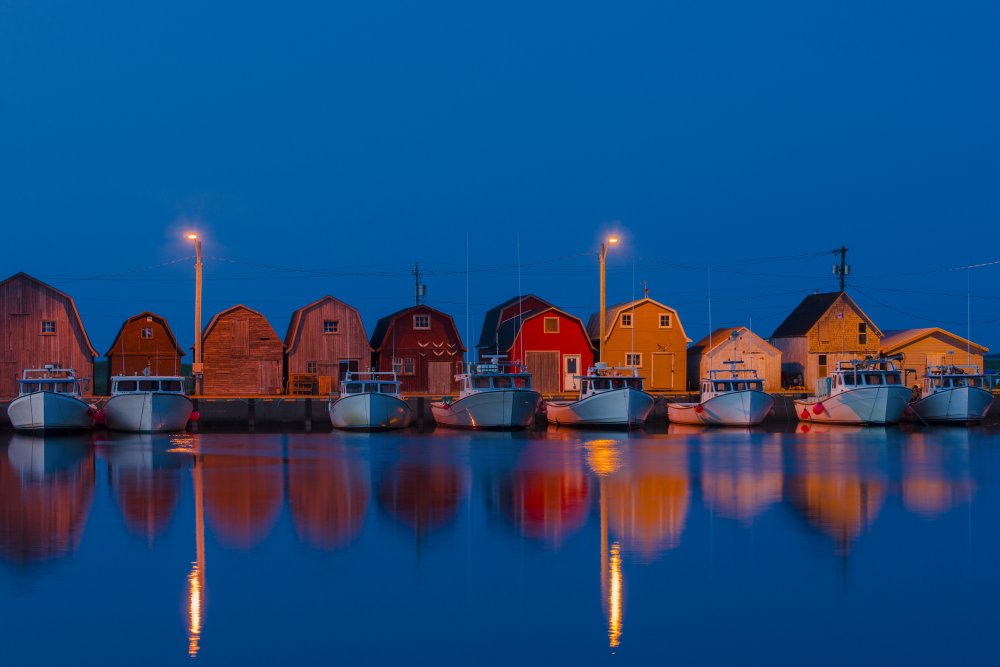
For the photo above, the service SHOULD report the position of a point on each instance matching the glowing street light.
(612, 240)
(197, 367)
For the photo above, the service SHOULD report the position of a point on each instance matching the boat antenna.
(468, 341)
(520, 304)
(709, 316)
(634, 369)
(121, 341)
(968, 316)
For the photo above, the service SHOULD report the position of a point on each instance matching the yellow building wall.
(933, 350)
(666, 347)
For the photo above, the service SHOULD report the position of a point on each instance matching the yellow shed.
(734, 344)
(931, 346)
(648, 335)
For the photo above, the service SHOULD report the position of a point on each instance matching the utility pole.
(842, 270)
(645, 289)
(419, 290)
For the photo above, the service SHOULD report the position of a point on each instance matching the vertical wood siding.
(130, 353)
(306, 342)
(243, 355)
(440, 343)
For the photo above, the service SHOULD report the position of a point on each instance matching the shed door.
(571, 369)
(270, 377)
(663, 371)
(241, 339)
(545, 371)
(439, 377)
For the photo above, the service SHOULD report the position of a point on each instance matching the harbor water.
(683, 547)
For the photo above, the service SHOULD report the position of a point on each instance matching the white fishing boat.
(608, 397)
(494, 395)
(729, 397)
(862, 391)
(147, 404)
(953, 394)
(370, 401)
(50, 399)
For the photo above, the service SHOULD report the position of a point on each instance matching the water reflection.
(46, 493)
(935, 471)
(740, 480)
(423, 489)
(244, 488)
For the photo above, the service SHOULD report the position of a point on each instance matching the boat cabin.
(600, 378)
(369, 383)
(940, 378)
(54, 380)
(862, 373)
(165, 384)
(731, 379)
(494, 375)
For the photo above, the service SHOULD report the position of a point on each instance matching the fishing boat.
(608, 397)
(50, 399)
(147, 404)
(729, 397)
(369, 401)
(952, 394)
(495, 394)
(860, 391)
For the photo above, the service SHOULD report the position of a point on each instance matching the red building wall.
(427, 347)
(571, 340)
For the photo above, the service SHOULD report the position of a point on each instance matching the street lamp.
(612, 240)
(197, 367)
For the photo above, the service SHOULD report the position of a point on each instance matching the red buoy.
(805, 428)
(99, 416)
(699, 409)
(818, 409)
(804, 414)
(194, 416)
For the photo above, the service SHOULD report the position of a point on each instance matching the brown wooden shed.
(423, 346)
(325, 340)
(931, 346)
(734, 344)
(144, 340)
(242, 354)
(39, 325)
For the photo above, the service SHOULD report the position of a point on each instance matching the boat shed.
(553, 344)
(822, 331)
(424, 348)
(144, 341)
(734, 344)
(242, 354)
(325, 340)
(648, 335)
(40, 326)
(931, 346)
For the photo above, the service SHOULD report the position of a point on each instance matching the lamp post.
(197, 367)
(612, 240)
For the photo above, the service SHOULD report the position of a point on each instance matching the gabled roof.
(215, 319)
(491, 321)
(720, 336)
(146, 313)
(805, 316)
(296, 321)
(72, 304)
(508, 330)
(898, 338)
(611, 314)
(385, 324)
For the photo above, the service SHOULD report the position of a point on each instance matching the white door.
(571, 368)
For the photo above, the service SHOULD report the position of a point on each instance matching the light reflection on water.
(485, 547)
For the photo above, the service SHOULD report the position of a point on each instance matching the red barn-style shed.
(242, 354)
(423, 346)
(553, 344)
(144, 340)
(327, 339)
(39, 325)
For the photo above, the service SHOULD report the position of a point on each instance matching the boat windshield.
(129, 386)
(57, 387)
(369, 387)
(738, 385)
(958, 381)
(501, 381)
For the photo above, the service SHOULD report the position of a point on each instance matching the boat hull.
(618, 407)
(370, 412)
(47, 411)
(498, 409)
(149, 412)
(959, 404)
(738, 408)
(867, 405)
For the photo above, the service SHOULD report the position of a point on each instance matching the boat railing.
(371, 376)
(954, 369)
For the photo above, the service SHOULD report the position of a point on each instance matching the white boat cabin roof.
(732, 373)
(953, 370)
(49, 373)
(370, 382)
(601, 370)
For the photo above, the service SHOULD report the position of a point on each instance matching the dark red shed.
(145, 340)
(423, 346)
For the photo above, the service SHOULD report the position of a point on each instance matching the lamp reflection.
(196, 577)
(604, 458)
(740, 481)
(328, 493)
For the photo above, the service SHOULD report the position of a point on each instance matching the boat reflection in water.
(424, 488)
(935, 471)
(46, 493)
(740, 480)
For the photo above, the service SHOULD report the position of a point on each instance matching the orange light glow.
(612, 240)
(194, 610)
(615, 598)
(192, 236)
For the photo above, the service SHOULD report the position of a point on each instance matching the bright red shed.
(423, 346)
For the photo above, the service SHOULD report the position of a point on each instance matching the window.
(48, 326)
(862, 333)
(422, 321)
(310, 367)
(403, 366)
(550, 325)
(147, 332)
(633, 359)
(331, 326)
(626, 320)
(821, 371)
(149, 385)
(171, 385)
(665, 321)
(127, 385)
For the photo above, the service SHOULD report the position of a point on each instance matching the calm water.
(847, 546)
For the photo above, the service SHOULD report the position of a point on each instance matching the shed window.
(310, 367)
(633, 359)
(862, 333)
(626, 320)
(551, 325)
(48, 326)
(821, 370)
(147, 332)
(404, 366)
(665, 321)
(421, 321)
(331, 327)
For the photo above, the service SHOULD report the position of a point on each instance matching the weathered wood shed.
(423, 346)
(822, 331)
(242, 353)
(39, 325)
(144, 340)
(553, 344)
(326, 339)
(734, 344)
(931, 346)
(648, 335)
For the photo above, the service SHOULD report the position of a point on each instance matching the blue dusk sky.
(324, 147)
